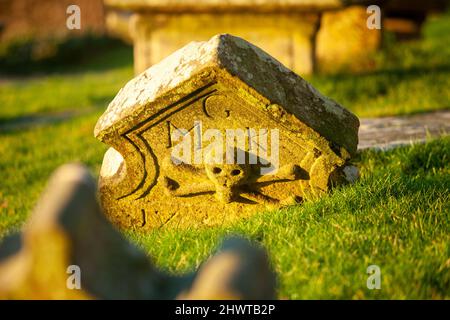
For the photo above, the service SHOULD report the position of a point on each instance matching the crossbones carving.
(229, 182)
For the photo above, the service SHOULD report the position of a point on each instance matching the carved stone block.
(216, 131)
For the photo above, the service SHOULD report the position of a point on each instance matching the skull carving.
(226, 177)
(228, 180)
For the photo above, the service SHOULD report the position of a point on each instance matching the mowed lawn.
(396, 216)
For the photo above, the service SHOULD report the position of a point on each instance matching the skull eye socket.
(216, 170)
(235, 172)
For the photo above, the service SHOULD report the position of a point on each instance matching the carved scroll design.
(148, 158)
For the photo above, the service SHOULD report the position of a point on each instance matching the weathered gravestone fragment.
(214, 132)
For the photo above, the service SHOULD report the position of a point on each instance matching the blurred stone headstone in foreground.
(67, 237)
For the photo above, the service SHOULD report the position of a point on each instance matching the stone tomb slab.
(215, 132)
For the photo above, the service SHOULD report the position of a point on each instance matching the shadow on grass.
(29, 122)
(395, 86)
(396, 74)
(25, 57)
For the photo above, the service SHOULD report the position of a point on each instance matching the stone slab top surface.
(389, 132)
(224, 5)
(235, 58)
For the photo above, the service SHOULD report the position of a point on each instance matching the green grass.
(29, 157)
(396, 216)
(409, 78)
(80, 90)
